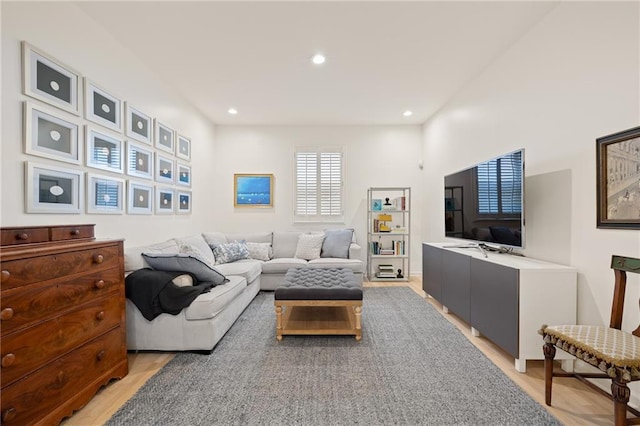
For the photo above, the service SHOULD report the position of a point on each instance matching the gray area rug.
(411, 367)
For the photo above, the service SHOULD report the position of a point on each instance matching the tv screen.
(485, 203)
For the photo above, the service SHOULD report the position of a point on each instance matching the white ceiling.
(382, 57)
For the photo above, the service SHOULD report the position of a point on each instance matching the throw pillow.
(195, 252)
(184, 263)
(259, 251)
(336, 243)
(230, 252)
(309, 246)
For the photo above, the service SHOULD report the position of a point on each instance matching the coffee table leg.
(358, 310)
(279, 322)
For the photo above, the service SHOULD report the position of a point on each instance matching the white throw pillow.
(309, 246)
(259, 251)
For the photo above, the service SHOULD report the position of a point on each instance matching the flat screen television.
(485, 203)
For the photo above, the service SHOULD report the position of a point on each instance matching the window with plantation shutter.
(319, 185)
(500, 185)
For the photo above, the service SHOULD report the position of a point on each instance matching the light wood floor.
(574, 403)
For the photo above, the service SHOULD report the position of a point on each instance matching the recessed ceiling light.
(318, 59)
(232, 111)
(407, 113)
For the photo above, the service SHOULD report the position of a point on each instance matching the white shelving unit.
(388, 233)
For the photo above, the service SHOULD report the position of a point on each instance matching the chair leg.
(549, 353)
(621, 393)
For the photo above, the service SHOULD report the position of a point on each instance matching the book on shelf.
(385, 268)
(387, 252)
(401, 203)
(386, 275)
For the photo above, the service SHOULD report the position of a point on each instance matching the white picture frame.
(104, 151)
(49, 80)
(183, 202)
(105, 194)
(183, 147)
(51, 189)
(139, 198)
(164, 137)
(165, 200)
(50, 136)
(183, 174)
(139, 126)
(165, 169)
(140, 161)
(102, 107)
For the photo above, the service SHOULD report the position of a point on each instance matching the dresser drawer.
(37, 395)
(71, 232)
(30, 270)
(25, 351)
(22, 306)
(14, 236)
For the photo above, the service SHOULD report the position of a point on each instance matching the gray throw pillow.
(184, 263)
(336, 243)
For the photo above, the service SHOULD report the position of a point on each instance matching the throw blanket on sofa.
(154, 293)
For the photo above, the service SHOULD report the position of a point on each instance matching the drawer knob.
(8, 360)
(100, 355)
(100, 316)
(8, 414)
(4, 276)
(23, 236)
(75, 232)
(98, 258)
(60, 378)
(99, 284)
(6, 314)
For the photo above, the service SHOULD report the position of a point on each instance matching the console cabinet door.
(456, 283)
(432, 271)
(494, 311)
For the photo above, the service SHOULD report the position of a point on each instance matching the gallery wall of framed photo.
(110, 157)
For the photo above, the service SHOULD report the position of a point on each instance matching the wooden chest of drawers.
(62, 322)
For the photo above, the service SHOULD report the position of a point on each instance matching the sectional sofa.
(250, 262)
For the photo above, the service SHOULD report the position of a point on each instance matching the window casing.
(319, 185)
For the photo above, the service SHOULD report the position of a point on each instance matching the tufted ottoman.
(319, 301)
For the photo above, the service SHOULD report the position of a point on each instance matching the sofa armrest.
(354, 251)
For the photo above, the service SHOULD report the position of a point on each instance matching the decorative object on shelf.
(400, 274)
(140, 198)
(164, 168)
(104, 151)
(102, 107)
(51, 189)
(184, 202)
(49, 80)
(105, 194)
(165, 137)
(618, 182)
(183, 175)
(164, 200)
(376, 205)
(139, 161)
(49, 136)
(253, 190)
(183, 148)
(384, 218)
(388, 205)
(138, 124)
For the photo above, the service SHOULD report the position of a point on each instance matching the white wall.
(573, 78)
(63, 31)
(375, 156)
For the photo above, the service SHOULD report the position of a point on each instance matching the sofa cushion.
(259, 251)
(355, 265)
(309, 246)
(133, 259)
(230, 252)
(184, 263)
(280, 265)
(248, 268)
(210, 304)
(336, 243)
(197, 246)
(285, 243)
(214, 238)
(254, 237)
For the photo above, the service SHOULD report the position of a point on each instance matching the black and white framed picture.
(139, 198)
(184, 202)
(49, 136)
(165, 137)
(139, 160)
(102, 107)
(49, 80)
(104, 151)
(51, 189)
(183, 174)
(164, 200)
(164, 168)
(138, 124)
(183, 148)
(105, 194)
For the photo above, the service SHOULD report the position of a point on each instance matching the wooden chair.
(615, 352)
